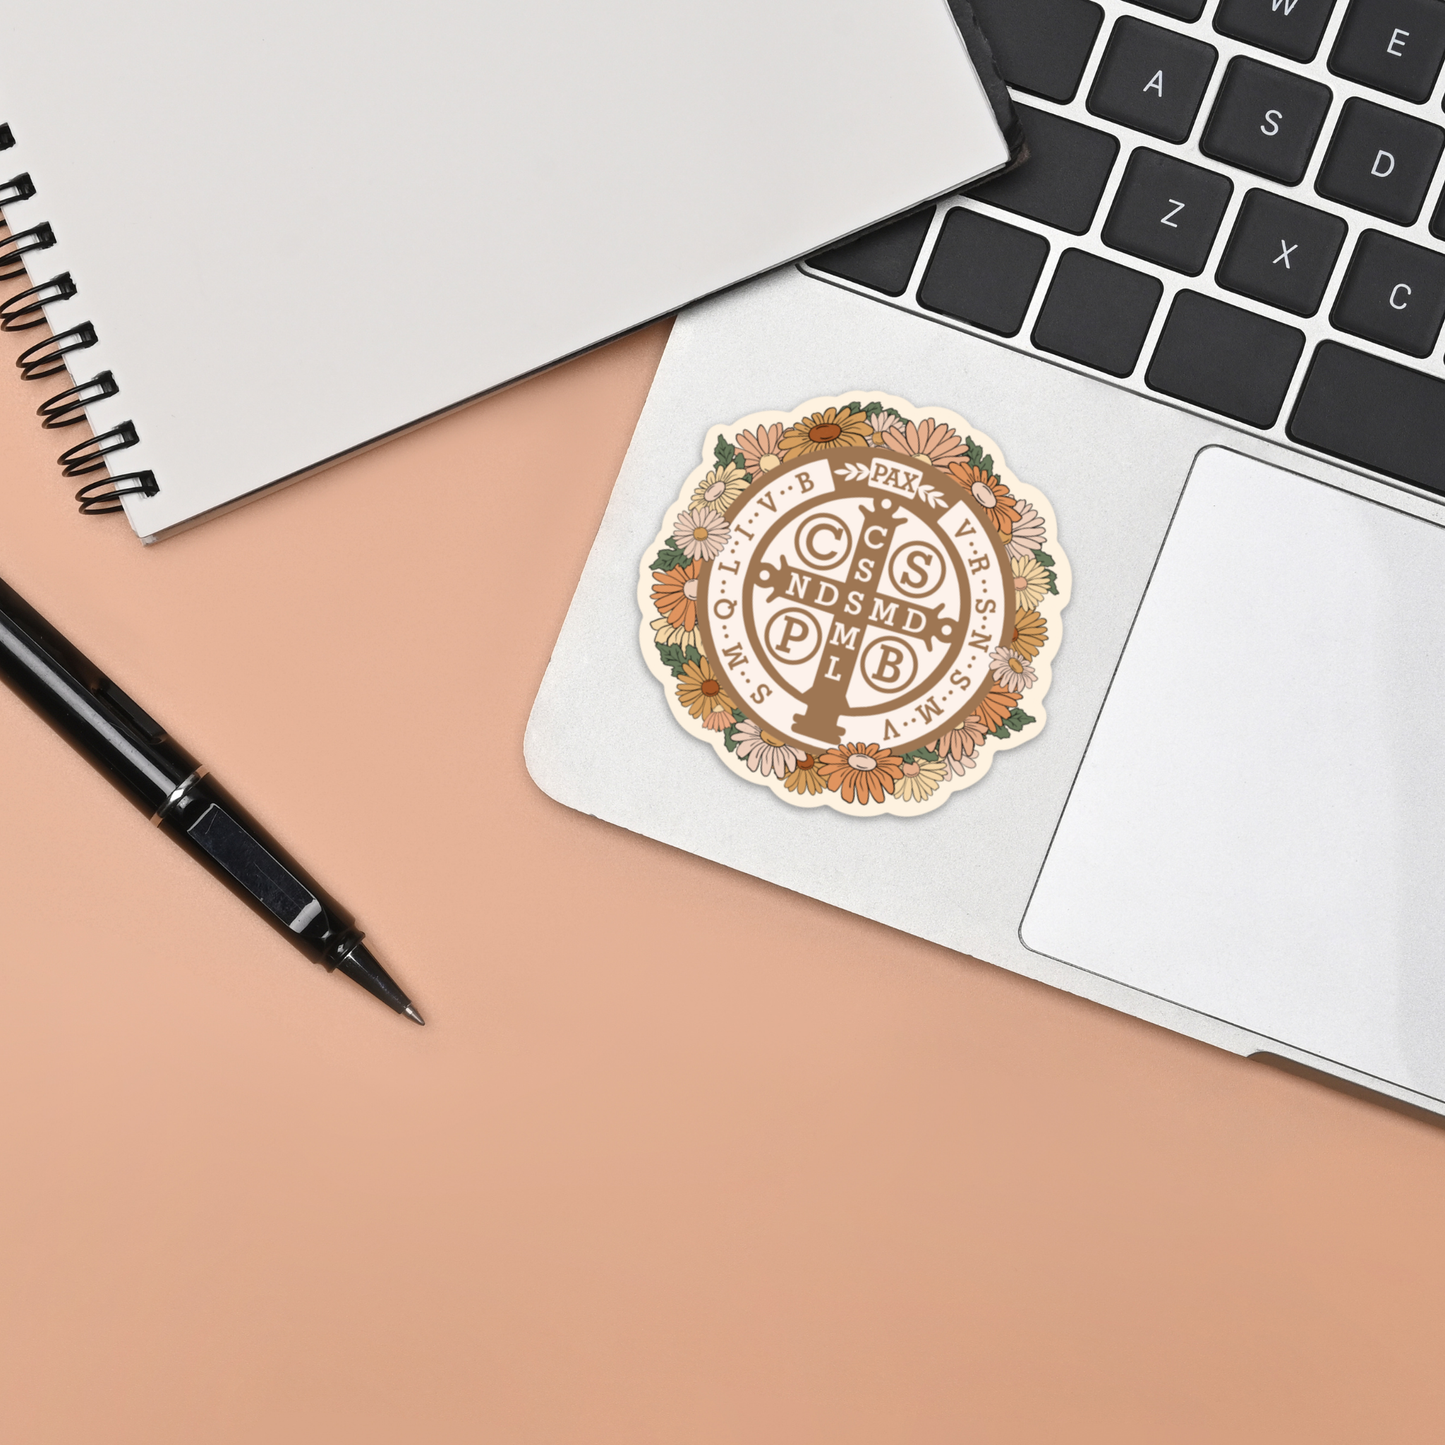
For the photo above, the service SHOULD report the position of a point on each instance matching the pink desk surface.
(680, 1158)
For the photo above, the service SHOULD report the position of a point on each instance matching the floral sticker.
(856, 603)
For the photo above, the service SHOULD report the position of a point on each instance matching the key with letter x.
(1281, 252)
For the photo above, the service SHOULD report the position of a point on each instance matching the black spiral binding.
(26, 310)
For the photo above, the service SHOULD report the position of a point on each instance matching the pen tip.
(414, 1016)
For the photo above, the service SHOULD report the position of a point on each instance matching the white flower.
(960, 763)
(764, 753)
(1011, 669)
(1028, 533)
(701, 532)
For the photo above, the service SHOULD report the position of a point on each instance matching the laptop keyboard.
(1234, 205)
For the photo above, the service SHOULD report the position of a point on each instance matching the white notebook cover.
(301, 225)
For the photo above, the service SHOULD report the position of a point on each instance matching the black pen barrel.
(167, 784)
(60, 683)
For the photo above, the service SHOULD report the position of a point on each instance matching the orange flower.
(929, 441)
(859, 771)
(1030, 634)
(998, 503)
(825, 430)
(699, 691)
(760, 448)
(804, 778)
(675, 595)
(997, 704)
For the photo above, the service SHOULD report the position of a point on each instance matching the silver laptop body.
(1229, 825)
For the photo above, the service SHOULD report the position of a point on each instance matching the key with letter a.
(1291, 28)
(1152, 79)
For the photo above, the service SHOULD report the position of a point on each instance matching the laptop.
(1204, 320)
(266, 236)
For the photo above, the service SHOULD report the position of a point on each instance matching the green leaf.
(739, 715)
(975, 452)
(895, 413)
(730, 741)
(987, 463)
(921, 755)
(671, 655)
(872, 409)
(1015, 722)
(724, 451)
(1043, 558)
(692, 654)
(668, 559)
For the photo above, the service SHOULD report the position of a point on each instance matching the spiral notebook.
(263, 236)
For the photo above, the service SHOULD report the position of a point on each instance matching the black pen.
(174, 791)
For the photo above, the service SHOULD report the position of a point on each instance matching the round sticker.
(856, 604)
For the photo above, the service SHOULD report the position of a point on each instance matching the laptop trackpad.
(1256, 829)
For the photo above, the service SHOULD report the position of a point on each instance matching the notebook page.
(299, 226)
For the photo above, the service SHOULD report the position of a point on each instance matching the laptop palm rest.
(1256, 828)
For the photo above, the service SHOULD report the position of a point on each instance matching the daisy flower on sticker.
(699, 691)
(674, 594)
(860, 771)
(764, 753)
(720, 488)
(720, 719)
(804, 779)
(959, 746)
(927, 441)
(825, 430)
(1031, 581)
(997, 704)
(668, 635)
(1028, 533)
(919, 781)
(1030, 634)
(999, 505)
(883, 424)
(1011, 670)
(701, 533)
(761, 449)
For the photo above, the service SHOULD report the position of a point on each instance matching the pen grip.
(211, 825)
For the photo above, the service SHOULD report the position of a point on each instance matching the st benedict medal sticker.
(856, 603)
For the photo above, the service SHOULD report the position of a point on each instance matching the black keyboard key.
(1374, 413)
(1437, 221)
(1179, 9)
(1381, 161)
(1392, 45)
(1393, 293)
(1064, 176)
(1041, 46)
(983, 272)
(1167, 211)
(1097, 312)
(883, 259)
(1234, 362)
(1152, 79)
(1292, 28)
(1266, 120)
(1281, 252)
